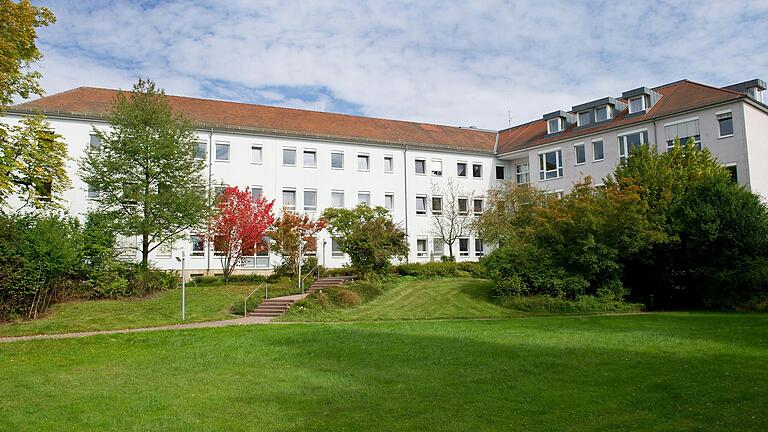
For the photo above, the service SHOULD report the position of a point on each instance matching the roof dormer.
(753, 88)
(597, 111)
(640, 100)
(558, 121)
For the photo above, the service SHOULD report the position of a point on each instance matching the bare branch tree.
(451, 213)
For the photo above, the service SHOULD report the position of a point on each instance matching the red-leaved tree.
(238, 226)
(287, 233)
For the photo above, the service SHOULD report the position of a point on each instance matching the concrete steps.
(274, 307)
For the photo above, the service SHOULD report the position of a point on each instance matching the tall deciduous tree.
(368, 235)
(239, 225)
(453, 219)
(32, 157)
(145, 171)
(289, 231)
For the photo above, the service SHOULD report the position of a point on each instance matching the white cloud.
(465, 63)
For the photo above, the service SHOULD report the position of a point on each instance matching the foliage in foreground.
(672, 225)
(44, 259)
(368, 235)
(161, 197)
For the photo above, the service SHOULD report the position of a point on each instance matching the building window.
(335, 249)
(437, 205)
(310, 200)
(310, 159)
(94, 144)
(477, 206)
(198, 245)
(201, 150)
(584, 118)
(337, 160)
(421, 248)
(602, 113)
(389, 164)
(597, 150)
(289, 157)
(364, 198)
(522, 174)
(463, 204)
(222, 151)
(550, 165)
(464, 247)
(363, 162)
(289, 199)
(500, 174)
(580, 153)
(683, 130)
(337, 199)
(389, 201)
(421, 166)
(437, 167)
(477, 170)
(256, 154)
(554, 125)
(630, 142)
(438, 246)
(92, 192)
(725, 124)
(637, 104)
(256, 193)
(461, 169)
(421, 204)
(479, 248)
(734, 173)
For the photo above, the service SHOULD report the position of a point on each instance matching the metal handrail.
(266, 295)
(301, 282)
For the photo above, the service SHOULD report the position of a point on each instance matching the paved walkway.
(232, 322)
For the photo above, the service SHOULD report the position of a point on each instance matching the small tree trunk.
(450, 250)
(144, 251)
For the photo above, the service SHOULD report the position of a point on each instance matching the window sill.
(420, 214)
(389, 172)
(550, 179)
(310, 166)
(289, 166)
(257, 163)
(579, 164)
(420, 174)
(726, 136)
(598, 160)
(361, 170)
(337, 169)
(221, 160)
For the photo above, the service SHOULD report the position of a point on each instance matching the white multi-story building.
(308, 161)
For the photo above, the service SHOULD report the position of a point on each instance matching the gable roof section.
(676, 98)
(96, 102)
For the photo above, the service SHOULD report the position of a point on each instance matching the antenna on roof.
(509, 117)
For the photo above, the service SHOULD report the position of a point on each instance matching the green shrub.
(219, 280)
(583, 304)
(129, 280)
(38, 256)
(441, 269)
(528, 270)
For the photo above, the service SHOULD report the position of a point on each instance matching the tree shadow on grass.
(396, 376)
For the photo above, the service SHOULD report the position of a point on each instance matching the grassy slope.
(418, 299)
(204, 303)
(656, 372)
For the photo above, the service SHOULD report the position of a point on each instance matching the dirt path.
(232, 322)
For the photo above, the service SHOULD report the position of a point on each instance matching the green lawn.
(651, 372)
(417, 299)
(204, 303)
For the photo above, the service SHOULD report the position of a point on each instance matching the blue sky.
(476, 63)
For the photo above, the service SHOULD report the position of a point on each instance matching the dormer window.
(554, 125)
(637, 104)
(584, 118)
(602, 113)
(755, 93)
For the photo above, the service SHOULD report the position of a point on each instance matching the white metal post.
(301, 254)
(183, 284)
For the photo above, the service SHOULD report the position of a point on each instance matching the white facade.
(309, 175)
(382, 174)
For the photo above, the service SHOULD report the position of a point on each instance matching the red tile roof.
(676, 98)
(88, 101)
